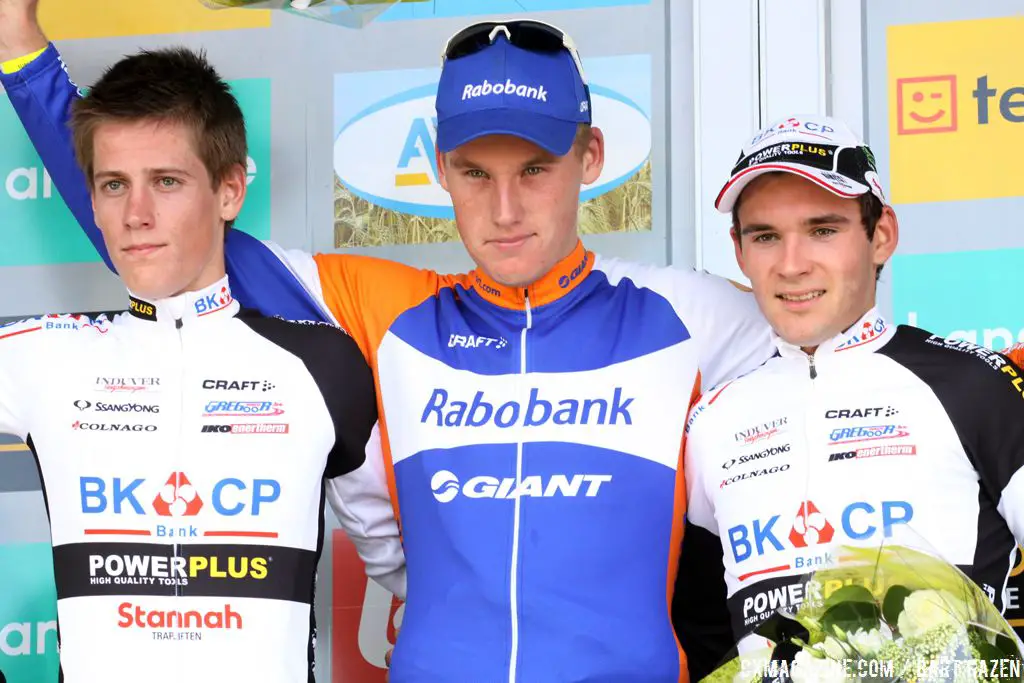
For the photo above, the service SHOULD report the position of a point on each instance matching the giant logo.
(385, 154)
(446, 487)
(961, 109)
(40, 230)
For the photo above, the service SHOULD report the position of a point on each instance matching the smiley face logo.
(926, 104)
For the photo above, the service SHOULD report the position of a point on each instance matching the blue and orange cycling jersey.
(532, 436)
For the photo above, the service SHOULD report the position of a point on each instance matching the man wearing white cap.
(858, 431)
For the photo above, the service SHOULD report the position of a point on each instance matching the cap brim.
(731, 191)
(554, 135)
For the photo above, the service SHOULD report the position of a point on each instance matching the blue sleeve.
(42, 93)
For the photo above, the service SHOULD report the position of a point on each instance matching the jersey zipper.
(514, 584)
(181, 428)
(808, 416)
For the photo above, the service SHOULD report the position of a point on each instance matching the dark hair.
(175, 85)
(870, 212)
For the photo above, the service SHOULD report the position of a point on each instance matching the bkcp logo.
(810, 527)
(957, 109)
(39, 229)
(176, 503)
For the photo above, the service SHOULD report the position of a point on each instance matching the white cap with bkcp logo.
(819, 148)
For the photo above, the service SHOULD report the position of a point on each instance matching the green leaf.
(851, 593)
(851, 616)
(1007, 647)
(892, 605)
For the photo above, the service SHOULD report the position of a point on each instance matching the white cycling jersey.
(885, 433)
(185, 451)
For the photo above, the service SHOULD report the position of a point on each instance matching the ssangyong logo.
(759, 455)
(444, 410)
(446, 487)
(101, 407)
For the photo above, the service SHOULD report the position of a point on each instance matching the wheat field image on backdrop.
(358, 223)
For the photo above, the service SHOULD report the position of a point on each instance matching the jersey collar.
(867, 335)
(189, 308)
(559, 281)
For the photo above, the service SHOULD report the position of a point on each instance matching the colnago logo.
(136, 616)
(752, 474)
(532, 92)
(446, 487)
(243, 409)
(858, 521)
(152, 570)
(443, 411)
(102, 427)
(101, 407)
(759, 455)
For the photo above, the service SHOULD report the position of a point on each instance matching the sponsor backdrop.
(388, 117)
(945, 118)
(341, 147)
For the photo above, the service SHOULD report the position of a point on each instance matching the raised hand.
(20, 33)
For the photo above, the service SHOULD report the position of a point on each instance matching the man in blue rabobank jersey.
(531, 410)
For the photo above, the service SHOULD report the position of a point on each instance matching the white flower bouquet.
(349, 13)
(883, 615)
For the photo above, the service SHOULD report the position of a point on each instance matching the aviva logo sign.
(38, 229)
(385, 154)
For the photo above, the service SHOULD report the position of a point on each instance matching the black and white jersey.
(186, 450)
(885, 434)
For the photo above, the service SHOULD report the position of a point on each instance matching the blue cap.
(504, 89)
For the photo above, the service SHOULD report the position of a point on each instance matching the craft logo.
(39, 229)
(386, 153)
(963, 307)
(957, 109)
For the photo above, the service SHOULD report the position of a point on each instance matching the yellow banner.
(956, 110)
(69, 19)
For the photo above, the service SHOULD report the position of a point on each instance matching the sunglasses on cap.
(527, 34)
(853, 163)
